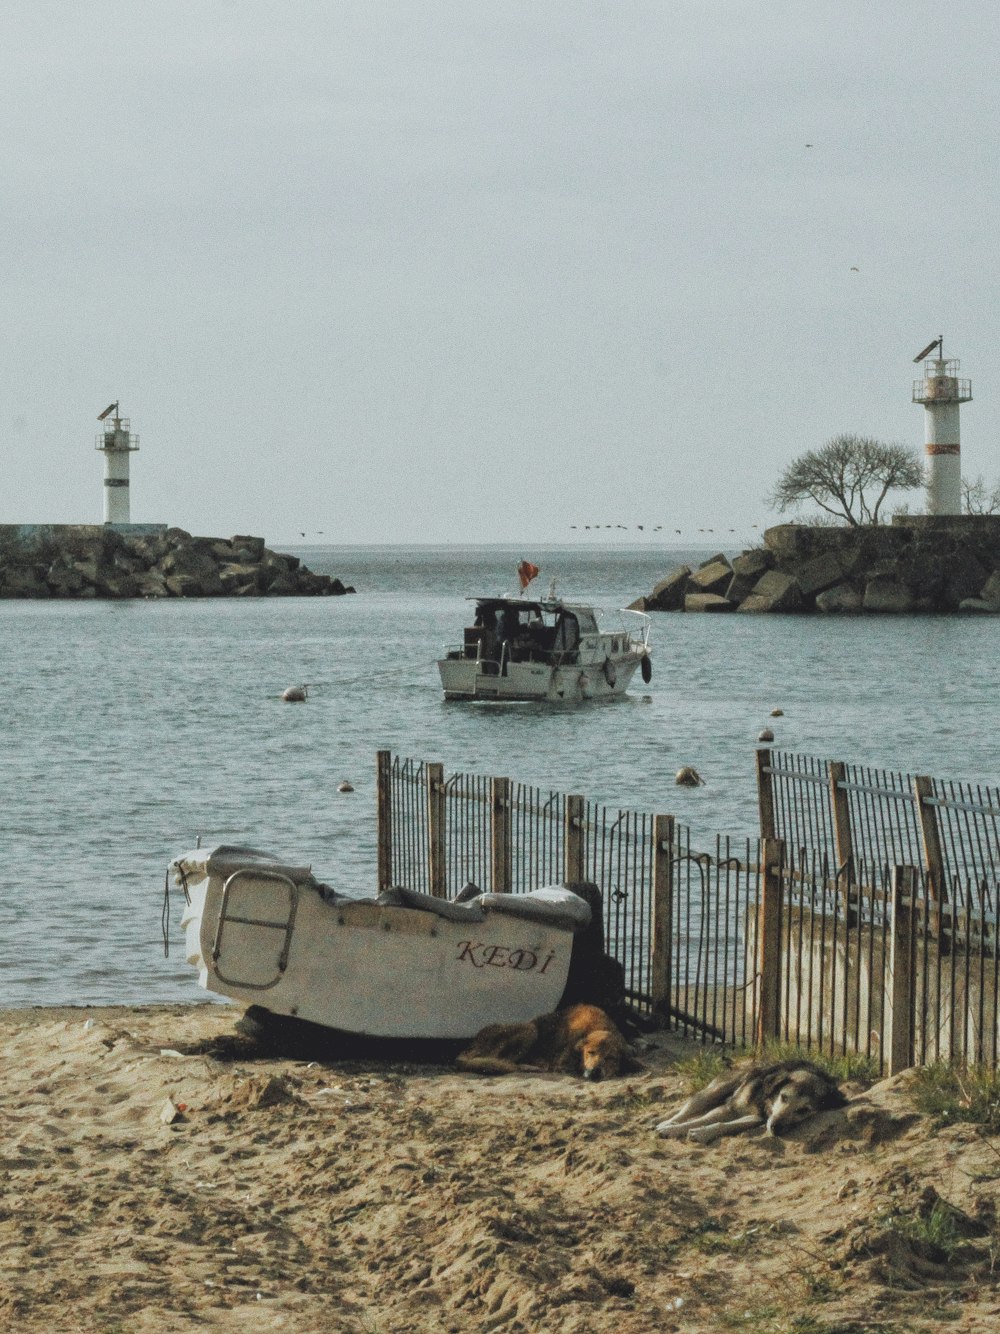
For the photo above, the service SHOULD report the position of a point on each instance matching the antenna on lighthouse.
(938, 342)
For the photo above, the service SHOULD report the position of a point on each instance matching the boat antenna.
(552, 590)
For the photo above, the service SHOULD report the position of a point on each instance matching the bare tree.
(977, 500)
(849, 477)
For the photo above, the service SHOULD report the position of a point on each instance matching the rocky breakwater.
(66, 561)
(918, 564)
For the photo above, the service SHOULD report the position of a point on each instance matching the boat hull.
(269, 935)
(523, 682)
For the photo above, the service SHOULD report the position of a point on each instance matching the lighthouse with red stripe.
(941, 391)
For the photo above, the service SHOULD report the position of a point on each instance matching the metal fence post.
(574, 841)
(843, 840)
(769, 940)
(661, 977)
(902, 1009)
(383, 816)
(500, 828)
(765, 794)
(437, 877)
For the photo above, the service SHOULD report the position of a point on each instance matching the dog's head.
(800, 1095)
(603, 1055)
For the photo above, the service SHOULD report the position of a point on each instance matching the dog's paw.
(703, 1135)
(667, 1130)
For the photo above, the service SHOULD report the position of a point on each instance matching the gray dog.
(777, 1096)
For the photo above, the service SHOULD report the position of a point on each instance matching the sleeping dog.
(777, 1096)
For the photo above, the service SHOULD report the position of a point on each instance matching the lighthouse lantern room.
(116, 442)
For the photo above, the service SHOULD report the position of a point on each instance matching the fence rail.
(864, 919)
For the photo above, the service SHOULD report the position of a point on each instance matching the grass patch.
(937, 1229)
(701, 1068)
(848, 1067)
(948, 1096)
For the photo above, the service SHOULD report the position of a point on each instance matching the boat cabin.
(510, 630)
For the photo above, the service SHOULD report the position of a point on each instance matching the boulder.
(823, 571)
(964, 578)
(707, 602)
(714, 577)
(753, 563)
(740, 587)
(668, 594)
(247, 548)
(979, 605)
(990, 591)
(774, 591)
(885, 593)
(840, 598)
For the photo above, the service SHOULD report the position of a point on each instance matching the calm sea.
(132, 728)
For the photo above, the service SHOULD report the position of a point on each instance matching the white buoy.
(345, 787)
(766, 735)
(689, 777)
(295, 694)
(777, 713)
(941, 391)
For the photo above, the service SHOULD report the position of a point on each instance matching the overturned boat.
(403, 964)
(524, 649)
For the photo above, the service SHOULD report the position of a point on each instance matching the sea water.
(131, 729)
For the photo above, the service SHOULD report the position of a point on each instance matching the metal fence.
(847, 927)
(851, 815)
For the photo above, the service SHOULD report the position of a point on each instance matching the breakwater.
(91, 561)
(916, 564)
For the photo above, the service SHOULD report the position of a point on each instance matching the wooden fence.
(782, 938)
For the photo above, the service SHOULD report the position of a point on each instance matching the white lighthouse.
(116, 443)
(941, 391)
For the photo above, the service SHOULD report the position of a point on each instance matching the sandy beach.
(160, 1173)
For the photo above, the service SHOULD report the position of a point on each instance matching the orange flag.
(526, 572)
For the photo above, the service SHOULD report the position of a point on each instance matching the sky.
(468, 271)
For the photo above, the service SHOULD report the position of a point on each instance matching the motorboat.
(523, 649)
(402, 964)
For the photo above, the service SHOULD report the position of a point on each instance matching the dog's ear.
(832, 1098)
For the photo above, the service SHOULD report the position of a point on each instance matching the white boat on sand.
(403, 964)
(523, 649)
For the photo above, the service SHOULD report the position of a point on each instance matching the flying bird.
(855, 269)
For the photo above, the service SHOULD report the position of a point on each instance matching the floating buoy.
(295, 694)
(777, 713)
(689, 777)
(345, 787)
(766, 735)
(646, 669)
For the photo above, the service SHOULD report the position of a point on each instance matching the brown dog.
(580, 1040)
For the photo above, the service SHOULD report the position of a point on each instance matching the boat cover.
(553, 905)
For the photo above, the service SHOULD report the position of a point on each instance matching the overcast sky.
(443, 270)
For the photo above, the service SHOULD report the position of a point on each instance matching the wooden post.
(930, 835)
(437, 875)
(840, 808)
(769, 941)
(574, 842)
(661, 964)
(383, 815)
(900, 1037)
(840, 805)
(765, 794)
(501, 834)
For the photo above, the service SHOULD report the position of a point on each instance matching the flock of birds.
(642, 527)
